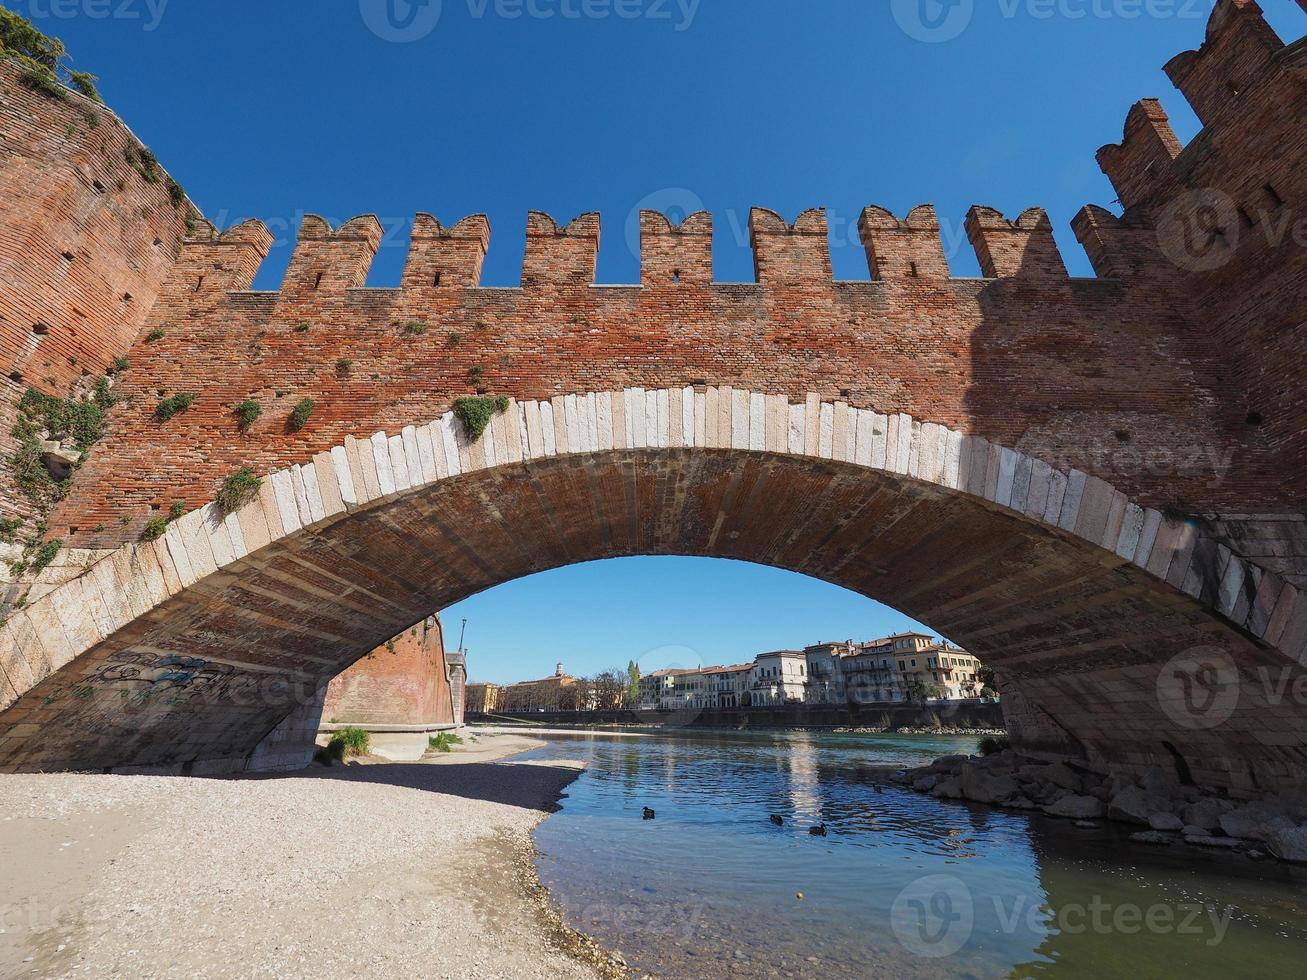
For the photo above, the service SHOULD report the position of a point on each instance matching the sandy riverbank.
(395, 870)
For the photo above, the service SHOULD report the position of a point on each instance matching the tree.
(609, 689)
(921, 691)
(632, 683)
(986, 675)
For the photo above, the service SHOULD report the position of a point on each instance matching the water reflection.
(904, 885)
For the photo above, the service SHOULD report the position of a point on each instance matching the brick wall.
(402, 682)
(85, 244)
(1175, 381)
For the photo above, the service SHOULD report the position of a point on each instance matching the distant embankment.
(892, 717)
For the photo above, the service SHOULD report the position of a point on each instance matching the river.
(902, 885)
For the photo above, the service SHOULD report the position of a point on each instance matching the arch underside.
(206, 675)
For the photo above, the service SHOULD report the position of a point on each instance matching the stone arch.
(183, 653)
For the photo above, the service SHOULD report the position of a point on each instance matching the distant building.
(779, 677)
(556, 693)
(482, 699)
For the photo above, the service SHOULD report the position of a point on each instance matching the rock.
(924, 784)
(1076, 807)
(1158, 782)
(948, 788)
(1133, 805)
(1206, 813)
(950, 763)
(1064, 776)
(984, 787)
(1228, 843)
(1252, 821)
(1165, 821)
(1087, 824)
(1288, 843)
(1021, 803)
(1151, 837)
(59, 462)
(1190, 830)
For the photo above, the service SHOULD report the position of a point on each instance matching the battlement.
(330, 262)
(1231, 76)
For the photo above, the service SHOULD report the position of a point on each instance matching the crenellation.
(1124, 247)
(903, 250)
(788, 254)
(1022, 248)
(1142, 161)
(673, 254)
(327, 262)
(560, 256)
(445, 258)
(1239, 50)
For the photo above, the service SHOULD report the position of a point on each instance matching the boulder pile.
(1165, 811)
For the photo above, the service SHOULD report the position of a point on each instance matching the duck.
(648, 813)
(818, 831)
(777, 819)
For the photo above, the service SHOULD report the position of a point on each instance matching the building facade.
(482, 698)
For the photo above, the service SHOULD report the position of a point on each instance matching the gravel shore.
(397, 870)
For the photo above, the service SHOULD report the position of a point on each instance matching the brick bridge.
(1097, 485)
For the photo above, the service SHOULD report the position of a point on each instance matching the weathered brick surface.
(85, 244)
(402, 682)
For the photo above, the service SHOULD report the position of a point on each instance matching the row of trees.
(608, 690)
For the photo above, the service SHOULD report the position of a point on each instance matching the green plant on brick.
(237, 490)
(153, 335)
(414, 328)
(301, 328)
(476, 413)
(173, 405)
(154, 529)
(44, 555)
(476, 374)
(247, 413)
(344, 366)
(121, 364)
(175, 193)
(9, 529)
(84, 82)
(177, 511)
(300, 416)
(453, 339)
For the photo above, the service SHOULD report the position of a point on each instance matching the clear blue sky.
(339, 107)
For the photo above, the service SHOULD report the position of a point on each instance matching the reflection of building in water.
(804, 777)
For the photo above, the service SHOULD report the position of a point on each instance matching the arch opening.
(1079, 636)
